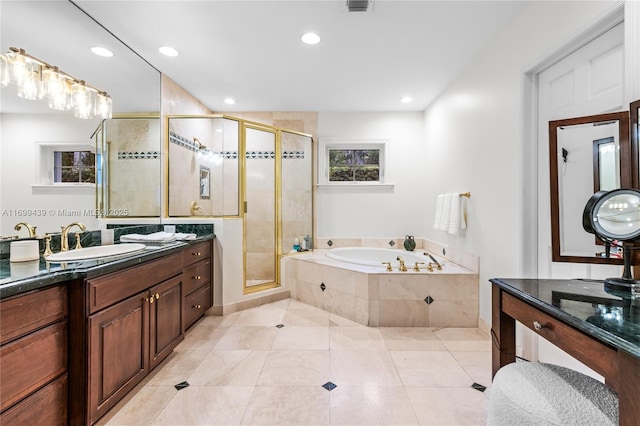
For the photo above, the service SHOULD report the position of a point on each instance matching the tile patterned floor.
(243, 370)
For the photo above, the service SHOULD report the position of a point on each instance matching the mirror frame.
(626, 178)
(635, 142)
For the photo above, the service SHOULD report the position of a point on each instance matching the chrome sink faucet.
(64, 242)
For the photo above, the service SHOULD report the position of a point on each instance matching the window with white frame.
(67, 164)
(352, 162)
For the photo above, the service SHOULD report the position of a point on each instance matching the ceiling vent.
(358, 5)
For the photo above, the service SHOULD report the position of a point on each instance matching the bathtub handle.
(388, 266)
(416, 267)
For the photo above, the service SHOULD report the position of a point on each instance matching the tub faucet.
(64, 241)
(31, 229)
(435, 262)
(402, 268)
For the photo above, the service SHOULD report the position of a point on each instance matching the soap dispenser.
(409, 243)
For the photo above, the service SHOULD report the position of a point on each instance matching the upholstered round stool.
(534, 393)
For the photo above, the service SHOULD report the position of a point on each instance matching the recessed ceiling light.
(310, 38)
(168, 51)
(406, 99)
(229, 101)
(101, 51)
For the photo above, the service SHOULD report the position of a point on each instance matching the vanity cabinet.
(33, 358)
(134, 322)
(127, 322)
(196, 261)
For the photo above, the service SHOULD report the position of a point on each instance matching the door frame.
(527, 342)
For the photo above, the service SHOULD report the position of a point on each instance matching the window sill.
(356, 186)
(64, 187)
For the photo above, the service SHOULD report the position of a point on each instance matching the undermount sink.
(97, 252)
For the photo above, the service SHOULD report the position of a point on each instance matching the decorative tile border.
(262, 155)
(138, 155)
(233, 155)
(289, 155)
(183, 142)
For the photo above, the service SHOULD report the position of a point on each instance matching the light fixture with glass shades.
(37, 79)
(614, 217)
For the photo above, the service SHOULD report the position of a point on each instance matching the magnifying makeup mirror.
(614, 217)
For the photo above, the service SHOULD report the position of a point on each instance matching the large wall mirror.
(61, 34)
(587, 155)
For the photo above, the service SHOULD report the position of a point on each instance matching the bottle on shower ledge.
(296, 244)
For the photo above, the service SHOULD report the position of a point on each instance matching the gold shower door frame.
(242, 190)
(247, 207)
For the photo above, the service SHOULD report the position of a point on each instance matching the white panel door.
(589, 81)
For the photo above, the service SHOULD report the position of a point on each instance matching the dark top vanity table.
(599, 328)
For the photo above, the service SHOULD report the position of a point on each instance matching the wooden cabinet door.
(165, 326)
(118, 352)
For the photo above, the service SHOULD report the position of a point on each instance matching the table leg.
(503, 330)
(628, 389)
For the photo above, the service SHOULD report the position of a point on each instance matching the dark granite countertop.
(609, 316)
(20, 277)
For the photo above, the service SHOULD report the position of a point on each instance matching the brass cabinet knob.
(151, 299)
(157, 296)
(196, 253)
(197, 306)
(197, 277)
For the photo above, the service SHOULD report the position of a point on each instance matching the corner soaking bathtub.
(372, 256)
(353, 283)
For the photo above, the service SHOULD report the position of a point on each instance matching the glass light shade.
(16, 67)
(61, 100)
(83, 101)
(53, 82)
(103, 106)
(4, 71)
(31, 86)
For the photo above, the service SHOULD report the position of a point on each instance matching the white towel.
(449, 213)
(457, 220)
(180, 236)
(155, 238)
(439, 222)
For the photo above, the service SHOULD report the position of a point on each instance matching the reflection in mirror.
(30, 124)
(587, 154)
(129, 148)
(606, 164)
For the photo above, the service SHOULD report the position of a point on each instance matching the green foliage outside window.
(354, 165)
(74, 167)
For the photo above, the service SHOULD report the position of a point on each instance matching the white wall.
(477, 125)
(19, 134)
(357, 212)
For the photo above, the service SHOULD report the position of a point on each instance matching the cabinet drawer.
(601, 357)
(47, 407)
(196, 275)
(23, 314)
(196, 252)
(109, 289)
(195, 304)
(29, 363)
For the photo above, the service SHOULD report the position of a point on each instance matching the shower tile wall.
(134, 169)
(297, 188)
